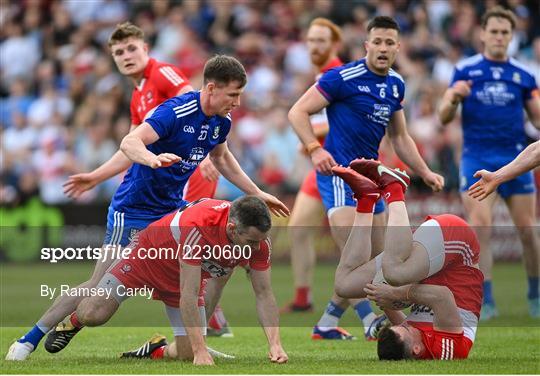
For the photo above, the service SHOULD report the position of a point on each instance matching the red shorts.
(134, 274)
(309, 185)
(198, 187)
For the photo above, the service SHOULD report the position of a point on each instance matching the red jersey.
(461, 275)
(160, 82)
(196, 236)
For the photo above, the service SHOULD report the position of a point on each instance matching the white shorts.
(177, 324)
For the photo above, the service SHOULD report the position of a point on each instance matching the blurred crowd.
(64, 108)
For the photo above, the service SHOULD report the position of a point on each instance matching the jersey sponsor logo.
(189, 129)
(214, 269)
(364, 88)
(381, 113)
(475, 73)
(197, 154)
(495, 94)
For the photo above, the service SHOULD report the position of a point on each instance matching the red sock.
(366, 204)
(158, 353)
(302, 297)
(394, 192)
(75, 321)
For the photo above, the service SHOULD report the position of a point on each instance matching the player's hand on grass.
(276, 207)
(203, 358)
(208, 170)
(278, 355)
(77, 184)
(164, 160)
(434, 181)
(483, 187)
(461, 89)
(323, 161)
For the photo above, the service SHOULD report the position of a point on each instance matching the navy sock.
(533, 288)
(363, 309)
(34, 335)
(334, 310)
(488, 296)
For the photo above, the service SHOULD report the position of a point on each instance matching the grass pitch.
(509, 344)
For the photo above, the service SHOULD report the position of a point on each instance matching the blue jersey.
(184, 130)
(492, 116)
(361, 106)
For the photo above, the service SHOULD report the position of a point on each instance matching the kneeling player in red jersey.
(208, 238)
(435, 269)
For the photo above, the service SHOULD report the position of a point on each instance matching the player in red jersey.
(202, 241)
(153, 82)
(435, 269)
(323, 41)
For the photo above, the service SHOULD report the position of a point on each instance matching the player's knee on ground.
(95, 311)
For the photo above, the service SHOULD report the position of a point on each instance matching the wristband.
(312, 146)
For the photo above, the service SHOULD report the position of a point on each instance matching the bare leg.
(64, 305)
(307, 214)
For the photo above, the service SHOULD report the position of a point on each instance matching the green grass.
(509, 344)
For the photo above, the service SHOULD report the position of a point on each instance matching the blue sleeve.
(529, 88)
(401, 95)
(329, 85)
(163, 120)
(457, 76)
(226, 130)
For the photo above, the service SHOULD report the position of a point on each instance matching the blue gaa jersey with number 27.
(183, 130)
(361, 106)
(492, 115)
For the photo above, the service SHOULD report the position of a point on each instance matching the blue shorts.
(335, 193)
(523, 184)
(121, 228)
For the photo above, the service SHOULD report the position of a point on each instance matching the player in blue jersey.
(166, 149)
(363, 101)
(493, 90)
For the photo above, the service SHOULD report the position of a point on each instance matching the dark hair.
(383, 22)
(498, 12)
(390, 346)
(224, 69)
(125, 30)
(250, 211)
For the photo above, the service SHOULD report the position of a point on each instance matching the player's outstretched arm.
(190, 279)
(489, 181)
(268, 313)
(79, 183)
(228, 166)
(407, 151)
(134, 147)
(451, 99)
(310, 103)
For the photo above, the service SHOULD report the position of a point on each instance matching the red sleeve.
(191, 245)
(135, 119)
(260, 260)
(169, 80)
